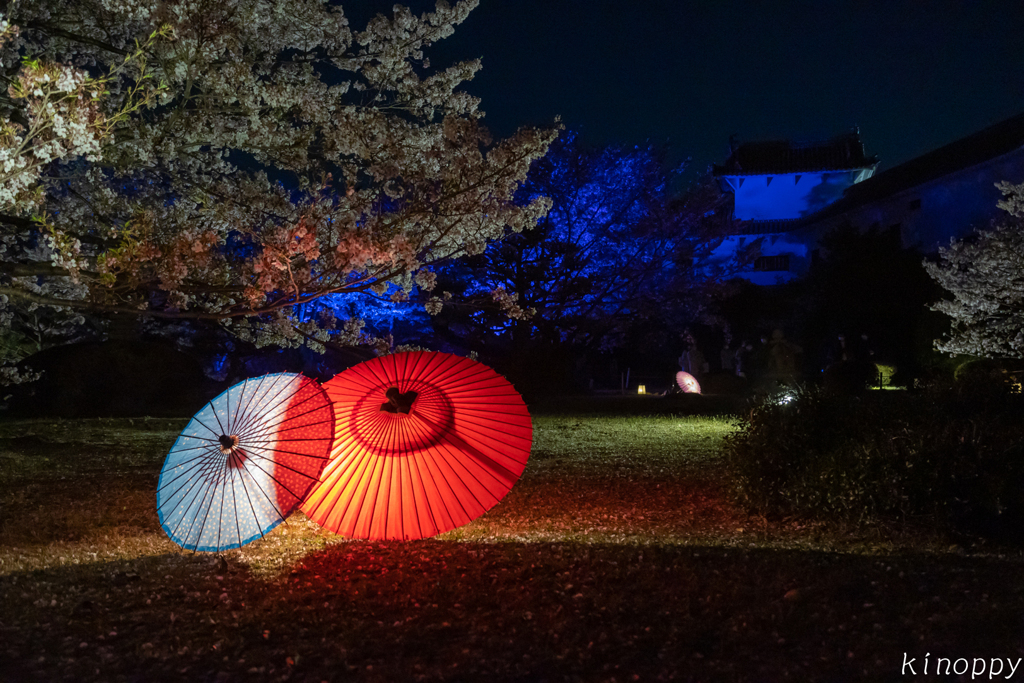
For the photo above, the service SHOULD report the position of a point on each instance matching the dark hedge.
(949, 456)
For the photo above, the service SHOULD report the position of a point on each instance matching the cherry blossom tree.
(985, 275)
(228, 161)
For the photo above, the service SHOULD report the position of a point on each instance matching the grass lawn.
(618, 556)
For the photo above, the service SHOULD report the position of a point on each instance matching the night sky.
(912, 74)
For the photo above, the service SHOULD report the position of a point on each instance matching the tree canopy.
(619, 256)
(219, 160)
(985, 275)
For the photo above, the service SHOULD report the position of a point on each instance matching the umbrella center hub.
(398, 402)
(228, 442)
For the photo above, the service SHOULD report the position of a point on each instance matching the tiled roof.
(768, 227)
(843, 152)
(986, 144)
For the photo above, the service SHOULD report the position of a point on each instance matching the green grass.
(618, 556)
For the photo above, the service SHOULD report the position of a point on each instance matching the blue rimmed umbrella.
(245, 462)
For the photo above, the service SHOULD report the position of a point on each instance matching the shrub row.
(952, 455)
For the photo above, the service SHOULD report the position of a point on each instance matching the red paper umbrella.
(425, 442)
(687, 382)
(245, 462)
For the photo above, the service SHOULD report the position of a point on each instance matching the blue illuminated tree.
(616, 253)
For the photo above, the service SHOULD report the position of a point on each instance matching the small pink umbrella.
(687, 382)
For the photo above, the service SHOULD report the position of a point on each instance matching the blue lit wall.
(930, 214)
(788, 195)
(765, 245)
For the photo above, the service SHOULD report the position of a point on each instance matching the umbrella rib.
(349, 471)
(214, 451)
(428, 454)
(426, 498)
(447, 373)
(367, 428)
(258, 455)
(220, 518)
(242, 415)
(308, 438)
(441, 497)
(200, 457)
(296, 417)
(248, 498)
(390, 463)
(216, 417)
(471, 384)
(234, 506)
(487, 463)
(361, 423)
(317, 393)
(485, 460)
(199, 438)
(277, 400)
(196, 418)
(265, 447)
(195, 448)
(306, 425)
(282, 464)
(204, 466)
(174, 531)
(194, 483)
(485, 436)
(276, 480)
(365, 459)
(401, 464)
(214, 489)
(474, 427)
(373, 503)
(201, 467)
(371, 368)
(224, 478)
(270, 500)
(287, 417)
(395, 461)
(254, 425)
(254, 409)
(430, 367)
(452, 461)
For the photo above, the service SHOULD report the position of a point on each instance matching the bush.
(983, 371)
(951, 454)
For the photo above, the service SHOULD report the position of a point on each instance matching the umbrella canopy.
(245, 462)
(425, 442)
(687, 382)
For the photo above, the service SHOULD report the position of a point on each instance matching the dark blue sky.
(912, 74)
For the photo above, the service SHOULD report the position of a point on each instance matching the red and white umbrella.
(425, 442)
(245, 462)
(687, 382)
